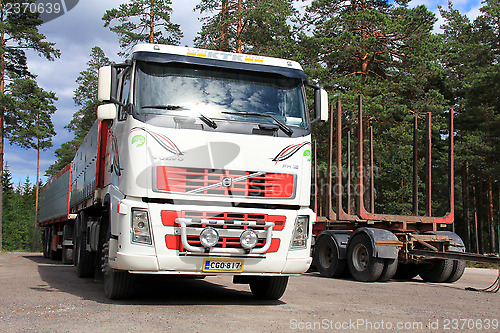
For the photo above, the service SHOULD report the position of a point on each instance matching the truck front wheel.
(268, 287)
(117, 284)
(361, 262)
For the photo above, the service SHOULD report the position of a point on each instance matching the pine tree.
(64, 156)
(18, 32)
(387, 54)
(8, 204)
(471, 59)
(246, 26)
(86, 98)
(146, 21)
(33, 128)
(86, 94)
(19, 213)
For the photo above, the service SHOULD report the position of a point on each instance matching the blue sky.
(76, 32)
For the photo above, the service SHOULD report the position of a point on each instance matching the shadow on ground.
(149, 289)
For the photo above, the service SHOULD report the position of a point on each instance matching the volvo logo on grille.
(227, 182)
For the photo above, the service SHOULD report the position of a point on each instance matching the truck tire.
(437, 271)
(360, 260)
(54, 255)
(45, 243)
(117, 284)
(406, 271)
(67, 251)
(326, 258)
(457, 271)
(390, 268)
(268, 287)
(85, 260)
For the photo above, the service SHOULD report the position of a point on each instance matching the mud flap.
(385, 244)
(341, 238)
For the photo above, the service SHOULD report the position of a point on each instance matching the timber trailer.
(377, 247)
(199, 164)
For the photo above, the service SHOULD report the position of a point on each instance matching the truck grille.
(228, 230)
(225, 182)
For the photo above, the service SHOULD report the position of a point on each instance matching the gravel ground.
(40, 295)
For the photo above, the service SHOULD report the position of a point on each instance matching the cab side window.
(124, 95)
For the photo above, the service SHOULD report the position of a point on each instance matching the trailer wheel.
(436, 271)
(268, 287)
(85, 260)
(457, 271)
(406, 271)
(390, 268)
(67, 251)
(54, 255)
(326, 258)
(360, 260)
(45, 243)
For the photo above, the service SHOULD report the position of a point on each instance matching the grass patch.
(481, 265)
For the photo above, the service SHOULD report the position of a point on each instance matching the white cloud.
(474, 12)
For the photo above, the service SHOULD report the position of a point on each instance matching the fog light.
(141, 232)
(248, 239)
(209, 237)
(301, 233)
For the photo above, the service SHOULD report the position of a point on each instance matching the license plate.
(226, 265)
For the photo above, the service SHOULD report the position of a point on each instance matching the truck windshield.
(219, 93)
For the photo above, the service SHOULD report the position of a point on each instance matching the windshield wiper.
(207, 120)
(202, 117)
(287, 130)
(164, 107)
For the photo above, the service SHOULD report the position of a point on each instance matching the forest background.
(386, 51)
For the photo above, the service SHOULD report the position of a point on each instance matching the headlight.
(141, 233)
(209, 237)
(248, 239)
(301, 233)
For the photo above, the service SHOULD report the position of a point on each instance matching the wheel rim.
(325, 256)
(360, 257)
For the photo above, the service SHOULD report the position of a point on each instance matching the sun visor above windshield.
(205, 61)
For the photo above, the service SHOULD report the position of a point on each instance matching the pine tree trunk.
(151, 26)
(480, 213)
(498, 222)
(476, 229)
(240, 26)
(465, 202)
(2, 90)
(491, 224)
(224, 12)
(36, 194)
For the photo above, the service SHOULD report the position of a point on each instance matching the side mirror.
(320, 104)
(107, 112)
(104, 84)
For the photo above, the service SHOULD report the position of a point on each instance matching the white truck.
(199, 164)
